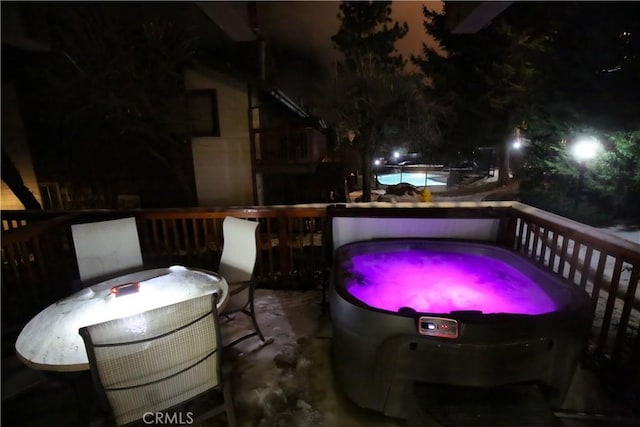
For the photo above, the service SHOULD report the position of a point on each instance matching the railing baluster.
(563, 255)
(611, 299)
(552, 254)
(14, 259)
(166, 250)
(574, 260)
(626, 314)
(27, 266)
(520, 235)
(283, 246)
(185, 238)
(175, 253)
(161, 233)
(302, 235)
(294, 224)
(269, 222)
(586, 267)
(536, 239)
(145, 241)
(208, 244)
(544, 246)
(635, 354)
(527, 240)
(195, 227)
(597, 281)
(39, 261)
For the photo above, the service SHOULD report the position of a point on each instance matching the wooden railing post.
(507, 230)
(283, 246)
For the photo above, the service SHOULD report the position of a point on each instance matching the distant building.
(248, 142)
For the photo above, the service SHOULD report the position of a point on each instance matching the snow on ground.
(630, 233)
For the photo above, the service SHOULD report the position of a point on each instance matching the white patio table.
(51, 342)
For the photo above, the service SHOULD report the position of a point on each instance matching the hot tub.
(407, 311)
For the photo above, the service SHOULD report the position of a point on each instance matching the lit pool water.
(413, 178)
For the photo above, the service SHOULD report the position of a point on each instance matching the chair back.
(106, 247)
(155, 360)
(239, 250)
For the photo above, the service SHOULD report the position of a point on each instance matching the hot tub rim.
(576, 303)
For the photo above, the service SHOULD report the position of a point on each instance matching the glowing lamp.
(585, 149)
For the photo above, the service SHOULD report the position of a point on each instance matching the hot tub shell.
(379, 355)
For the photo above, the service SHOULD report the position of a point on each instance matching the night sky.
(299, 34)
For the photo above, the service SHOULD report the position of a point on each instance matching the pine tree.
(115, 85)
(369, 83)
(487, 79)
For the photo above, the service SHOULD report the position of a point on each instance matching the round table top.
(50, 341)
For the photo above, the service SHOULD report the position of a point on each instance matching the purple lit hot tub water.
(430, 281)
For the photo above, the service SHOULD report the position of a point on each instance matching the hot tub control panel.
(438, 327)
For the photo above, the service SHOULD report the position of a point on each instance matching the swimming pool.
(414, 178)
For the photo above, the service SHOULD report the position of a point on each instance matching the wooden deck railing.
(606, 266)
(290, 238)
(285, 146)
(39, 266)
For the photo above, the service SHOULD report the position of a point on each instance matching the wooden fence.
(39, 266)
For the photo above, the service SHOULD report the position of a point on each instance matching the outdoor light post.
(513, 146)
(583, 151)
(377, 164)
(396, 156)
(582, 168)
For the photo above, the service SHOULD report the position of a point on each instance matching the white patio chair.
(237, 265)
(106, 247)
(160, 362)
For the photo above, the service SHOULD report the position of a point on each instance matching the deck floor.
(289, 382)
